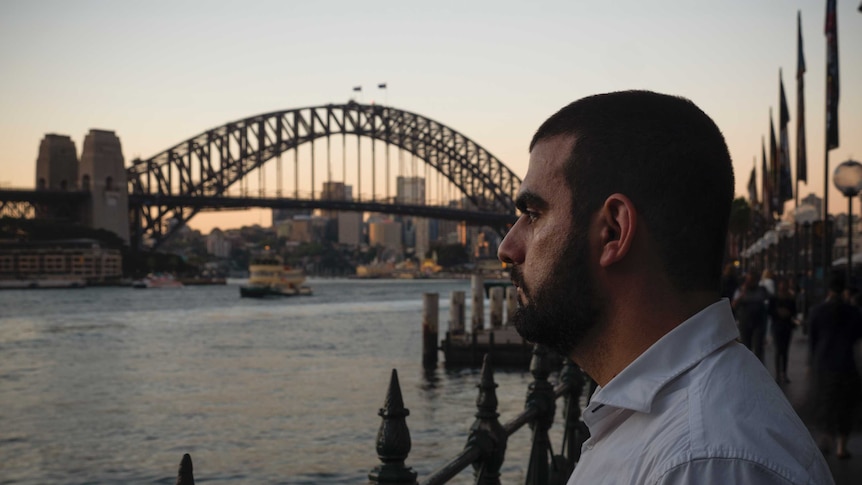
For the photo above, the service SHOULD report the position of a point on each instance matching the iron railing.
(487, 438)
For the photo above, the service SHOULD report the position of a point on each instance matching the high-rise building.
(347, 226)
(411, 190)
(332, 191)
(280, 215)
(217, 244)
(350, 228)
(385, 233)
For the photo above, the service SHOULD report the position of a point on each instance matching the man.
(750, 306)
(834, 330)
(617, 258)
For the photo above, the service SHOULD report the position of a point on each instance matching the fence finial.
(185, 476)
(487, 433)
(393, 440)
(540, 396)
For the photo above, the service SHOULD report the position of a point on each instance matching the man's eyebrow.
(530, 199)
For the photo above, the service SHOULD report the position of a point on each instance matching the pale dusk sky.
(160, 72)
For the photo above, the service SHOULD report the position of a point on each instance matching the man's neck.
(633, 324)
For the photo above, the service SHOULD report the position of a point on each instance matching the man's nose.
(511, 249)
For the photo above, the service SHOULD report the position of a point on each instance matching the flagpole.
(831, 131)
(796, 237)
(827, 265)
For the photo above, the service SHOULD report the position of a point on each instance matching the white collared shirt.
(697, 408)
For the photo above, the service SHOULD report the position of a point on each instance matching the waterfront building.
(70, 260)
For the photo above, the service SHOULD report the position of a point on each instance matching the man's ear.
(618, 219)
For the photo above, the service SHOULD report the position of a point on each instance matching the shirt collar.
(680, 349)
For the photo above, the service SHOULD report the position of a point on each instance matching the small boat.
(157, 281)
(269, 276)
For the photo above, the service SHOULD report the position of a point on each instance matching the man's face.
(548, 252)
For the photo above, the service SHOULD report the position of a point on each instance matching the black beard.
(565, 308)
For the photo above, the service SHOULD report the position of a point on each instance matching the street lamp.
(848, 179)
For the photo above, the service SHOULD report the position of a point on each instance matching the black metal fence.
(486, 441)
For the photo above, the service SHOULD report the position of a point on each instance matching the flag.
(773, 169)
(382, 85)
(766, 198)
(752, 185)
(831, 76)
(785, 180)
(357, 88)
(801, 147)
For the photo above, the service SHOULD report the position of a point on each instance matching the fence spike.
(540, 396)
(393, 439)
(573, 434)
(486, 432)
(185, 476)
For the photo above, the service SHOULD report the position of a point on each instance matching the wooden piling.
(430, 317)
(511, 304)
(496, 302)
(456, 313)
(477, 287)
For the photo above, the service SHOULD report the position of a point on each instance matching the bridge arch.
(208, 164)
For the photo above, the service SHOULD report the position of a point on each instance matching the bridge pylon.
(103, 174)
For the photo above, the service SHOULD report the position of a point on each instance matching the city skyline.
(160, 73)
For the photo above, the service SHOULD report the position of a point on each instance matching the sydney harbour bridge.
(277, 160)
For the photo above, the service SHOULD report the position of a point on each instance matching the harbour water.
(113, 385)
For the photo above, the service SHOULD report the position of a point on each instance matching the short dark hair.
(669, 158)
(837, 283)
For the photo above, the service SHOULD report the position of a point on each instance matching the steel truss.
(213, 161)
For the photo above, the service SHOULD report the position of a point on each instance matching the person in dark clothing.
(729, 281)
(750, 307)
(835, 327)
(782, 308)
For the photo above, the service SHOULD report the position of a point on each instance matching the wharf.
(506, 347)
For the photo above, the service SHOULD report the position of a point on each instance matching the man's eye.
(531, 215)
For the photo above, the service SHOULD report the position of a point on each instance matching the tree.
(739, 226)
(449, 255)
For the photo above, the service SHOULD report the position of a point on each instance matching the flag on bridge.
(357, 88)
(831, 76)
(801, 147)
(785, 180)
(382, 85)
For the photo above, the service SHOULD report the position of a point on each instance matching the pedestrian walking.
(782, 309)
(834, 329)
(750, 307)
